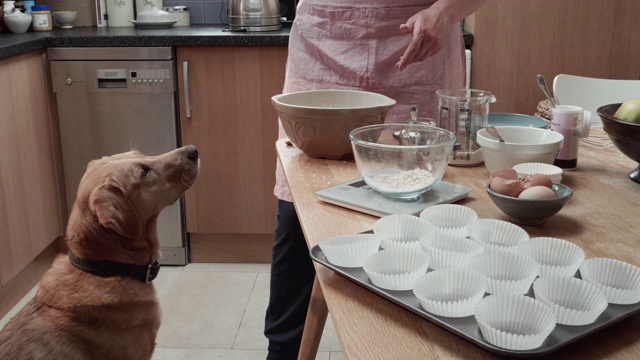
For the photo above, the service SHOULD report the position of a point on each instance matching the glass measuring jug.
(464, 112)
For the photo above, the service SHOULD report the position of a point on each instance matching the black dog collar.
(104, 268)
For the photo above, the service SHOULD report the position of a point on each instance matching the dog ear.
(115, 212)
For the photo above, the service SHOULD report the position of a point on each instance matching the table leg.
(313, 326)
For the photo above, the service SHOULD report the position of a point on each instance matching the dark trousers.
(292, 275)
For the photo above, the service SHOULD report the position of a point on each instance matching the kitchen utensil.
(493, 132)
(464, 112)
(545, 90)
(254, 15)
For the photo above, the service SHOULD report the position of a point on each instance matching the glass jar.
(41, 20)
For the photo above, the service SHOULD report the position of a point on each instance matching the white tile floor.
(214, 311)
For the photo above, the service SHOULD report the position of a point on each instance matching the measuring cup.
(464, 112)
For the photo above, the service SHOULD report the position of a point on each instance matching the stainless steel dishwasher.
(112, 100)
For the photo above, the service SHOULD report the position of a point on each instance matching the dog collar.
(105, 268)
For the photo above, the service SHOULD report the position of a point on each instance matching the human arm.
(427, 28)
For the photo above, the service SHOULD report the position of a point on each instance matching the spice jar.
(41, 18)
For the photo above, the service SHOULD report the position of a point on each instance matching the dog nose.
(192, 153)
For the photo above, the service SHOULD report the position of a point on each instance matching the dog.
(98, 301)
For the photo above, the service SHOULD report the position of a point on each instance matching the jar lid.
(39, 7)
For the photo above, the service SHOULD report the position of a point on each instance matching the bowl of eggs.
(529, 200)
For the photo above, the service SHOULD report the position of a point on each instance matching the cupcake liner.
(450, 218)
(506, 272)
(552, 171)
(555, 256)
(397, 268)
(574, 301)
(497, 235)
(450, 292)
(401, 231)
(514, 322)
(449, 251)
(350, 250)
(620, 281)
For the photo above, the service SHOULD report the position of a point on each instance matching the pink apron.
(355, 45)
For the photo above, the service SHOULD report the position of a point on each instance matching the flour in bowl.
(403, 181)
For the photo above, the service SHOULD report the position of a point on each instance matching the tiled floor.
(215, 311)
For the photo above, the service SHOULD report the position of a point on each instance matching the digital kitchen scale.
(357, 195)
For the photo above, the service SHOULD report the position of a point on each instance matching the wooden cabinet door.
(235, 127)
(29, 200)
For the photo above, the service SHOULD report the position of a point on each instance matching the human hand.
(426, 29)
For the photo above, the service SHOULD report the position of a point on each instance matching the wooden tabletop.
(602, 217)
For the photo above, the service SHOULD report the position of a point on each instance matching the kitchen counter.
(195, 35)
(600, 218)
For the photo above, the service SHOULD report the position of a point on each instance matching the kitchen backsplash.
(210, 12)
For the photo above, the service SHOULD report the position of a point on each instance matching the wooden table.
(602, 217)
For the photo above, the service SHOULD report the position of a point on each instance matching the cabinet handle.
(185, 79)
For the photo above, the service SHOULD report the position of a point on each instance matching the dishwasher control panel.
(149, 77)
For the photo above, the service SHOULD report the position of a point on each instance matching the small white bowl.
(402, 230)
(450, 292)
(350, 250)
(514, 322)
(522, 144)
(555, 256)
(64, 18)
(552, 171)
(620, 281)
(497, 235)
(575, 302)
(507, 272)
(449, 251)
(450, 218)
(396, 269)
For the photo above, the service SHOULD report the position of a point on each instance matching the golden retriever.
(98, 302)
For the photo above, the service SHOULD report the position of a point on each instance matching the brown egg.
(507, 187)
(537, 193)
(540, 180)
(505, 173)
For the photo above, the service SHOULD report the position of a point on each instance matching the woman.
(404, 49)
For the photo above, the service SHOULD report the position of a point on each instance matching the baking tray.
(467, 327)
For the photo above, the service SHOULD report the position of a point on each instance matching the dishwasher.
(112, 100)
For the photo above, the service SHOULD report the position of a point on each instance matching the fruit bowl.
(624, 135)
(402, 161)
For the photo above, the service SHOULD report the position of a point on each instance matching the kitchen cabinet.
(513, 41)
(230, 210)
(30, 216)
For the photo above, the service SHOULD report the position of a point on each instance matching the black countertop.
(195, 35)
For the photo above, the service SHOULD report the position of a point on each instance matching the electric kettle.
(254, 15)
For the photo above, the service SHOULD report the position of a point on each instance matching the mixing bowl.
(401, 160)
(512, 119)
(318, 122)
(623, 134)
(522, 145)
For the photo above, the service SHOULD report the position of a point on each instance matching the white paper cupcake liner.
(401, 230)
(396, 269)
(574, 301)
(450, 218)
(350, 250)
(620, 281)
(449, 251)
(450, 292)
(552, 171)
(514, 322)
(555, 256)
(506, 272)
(497, 235)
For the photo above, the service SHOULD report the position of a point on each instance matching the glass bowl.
(402, 161)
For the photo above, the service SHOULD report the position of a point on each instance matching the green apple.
(629, 111)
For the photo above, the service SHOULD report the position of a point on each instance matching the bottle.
(41, 18)
(20, 6)
(28, 4)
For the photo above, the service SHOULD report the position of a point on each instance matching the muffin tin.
(468, 327)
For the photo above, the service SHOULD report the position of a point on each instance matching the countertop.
(195, 35)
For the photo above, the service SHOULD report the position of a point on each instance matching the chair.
(591, 93)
